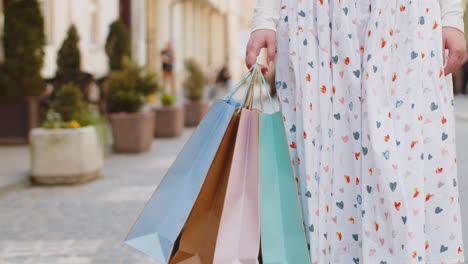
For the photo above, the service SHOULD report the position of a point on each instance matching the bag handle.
(251, 91)
(248, 97)
(247, 93)
(241, 82)
(264, 84)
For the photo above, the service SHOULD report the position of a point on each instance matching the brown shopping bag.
(198, 237)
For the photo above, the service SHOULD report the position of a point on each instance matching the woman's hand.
(454, 41)
(261, 38)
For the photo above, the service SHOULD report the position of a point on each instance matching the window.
(94, 22)
(47, 8)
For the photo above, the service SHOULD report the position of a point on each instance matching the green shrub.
(118, 45)
(129, 88)
(23, 41)
(68, 106)
(68, 102)
(69, 111)
(69, 56)
(120, 99)
(168, 99)
(195, 82)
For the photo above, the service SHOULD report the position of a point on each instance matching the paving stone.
(86, 223)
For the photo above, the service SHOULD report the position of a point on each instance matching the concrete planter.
(195, 111)
(65, 156)
(170, 121)
(132, 132)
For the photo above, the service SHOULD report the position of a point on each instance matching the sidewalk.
(461, 107)
(82, 224)
(14, 167)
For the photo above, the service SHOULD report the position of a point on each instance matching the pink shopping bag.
(238, 238)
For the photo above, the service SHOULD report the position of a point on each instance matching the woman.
(168, 58)
(370, 123)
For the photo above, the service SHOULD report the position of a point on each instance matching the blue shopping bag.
(282, 230)
(160, 223)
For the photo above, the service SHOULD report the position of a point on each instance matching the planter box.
(195, 111)
(65, 156)
(169, 121)
(132, 132)
(19, 116)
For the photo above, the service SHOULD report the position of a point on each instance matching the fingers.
(271, 48)
(262, 38)
(454, 42)
(456, 58)
(444, 47)
(253, 50)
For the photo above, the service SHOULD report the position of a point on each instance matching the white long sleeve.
(452, 14)
(266, 14)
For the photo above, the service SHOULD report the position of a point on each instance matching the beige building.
(92, 19)
(213, 32)
(210, 31)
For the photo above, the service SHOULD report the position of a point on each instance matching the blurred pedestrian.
(168, 59)
(224, 76)
(223, 81)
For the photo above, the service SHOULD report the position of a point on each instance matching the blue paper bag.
(164, 216)
(282, 230)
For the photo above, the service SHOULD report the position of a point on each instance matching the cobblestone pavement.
(14, 166)
(87, 223)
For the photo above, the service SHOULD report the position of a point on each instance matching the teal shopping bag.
(282, 231)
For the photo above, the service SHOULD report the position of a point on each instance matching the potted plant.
(117, 47)
(194, 84)
(132, 129)
(68, 148)
(169, 118)
(21, 84)
(69, 65)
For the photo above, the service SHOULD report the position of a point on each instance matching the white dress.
(371, 129)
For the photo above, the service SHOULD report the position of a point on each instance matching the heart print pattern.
(370, 125)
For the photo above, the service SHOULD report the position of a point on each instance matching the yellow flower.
(73, 124)
(151, 99)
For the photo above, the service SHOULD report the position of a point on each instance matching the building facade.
(205, 30)
(213, 32)
(92, 19)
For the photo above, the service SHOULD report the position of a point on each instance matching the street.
(87, 223)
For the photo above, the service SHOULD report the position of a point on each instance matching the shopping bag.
(162, 219)
(238, 238)
(198, 237)
(282, 230)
